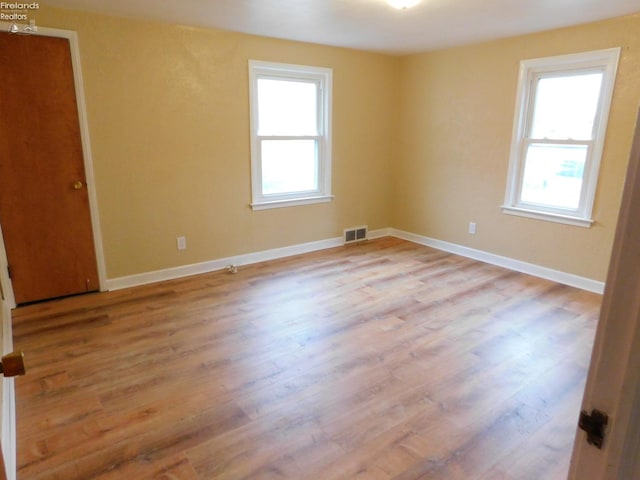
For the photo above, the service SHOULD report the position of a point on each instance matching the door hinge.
(594, 425)
(9, 272)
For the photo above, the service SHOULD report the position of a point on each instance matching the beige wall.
(168, 113)
(457, 110)
(421, 143)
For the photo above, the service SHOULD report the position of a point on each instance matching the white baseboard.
(246, 259)
(8, 434)
(239, 260)
(506, 262)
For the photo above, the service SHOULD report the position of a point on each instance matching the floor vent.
(357, 234)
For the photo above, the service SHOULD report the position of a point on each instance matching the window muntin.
(561, 116)
(290, 134)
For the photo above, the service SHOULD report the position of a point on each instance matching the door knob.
(12, 364)
(77, 185)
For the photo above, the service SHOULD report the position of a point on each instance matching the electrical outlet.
(472, 228)
(182, 243)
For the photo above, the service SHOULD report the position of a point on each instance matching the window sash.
(534, 82)
(585, 174)
(296, 78)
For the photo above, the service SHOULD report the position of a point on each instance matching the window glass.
(565, 107)
(553, 175)
(287, 107)
(289, 166)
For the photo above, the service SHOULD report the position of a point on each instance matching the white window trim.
(324, 77)
(600, 60)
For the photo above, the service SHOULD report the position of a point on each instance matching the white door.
(613, 383)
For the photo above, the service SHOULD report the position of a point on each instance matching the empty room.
(320, 239)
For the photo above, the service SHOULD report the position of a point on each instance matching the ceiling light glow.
(403, 4)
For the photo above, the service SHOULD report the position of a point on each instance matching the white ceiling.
(369, 24)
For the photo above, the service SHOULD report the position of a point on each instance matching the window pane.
(287, 107)
(289, 166)
(565, 107)
(553, 175)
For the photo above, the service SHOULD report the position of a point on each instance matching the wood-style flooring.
(380, 360)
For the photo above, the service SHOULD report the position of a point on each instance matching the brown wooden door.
(44, 205)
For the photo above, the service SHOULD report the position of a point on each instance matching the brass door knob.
(77, 185)
(12, 364)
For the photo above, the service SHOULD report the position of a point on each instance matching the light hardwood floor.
(378, 360)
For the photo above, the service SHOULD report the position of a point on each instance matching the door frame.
(72, 36)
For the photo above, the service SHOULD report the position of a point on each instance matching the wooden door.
(3, 468)
(613, 382)
(44, 204)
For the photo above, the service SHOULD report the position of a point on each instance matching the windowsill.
(294, 202)
(550, 217)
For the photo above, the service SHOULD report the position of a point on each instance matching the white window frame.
(605, 61)
(323, 77)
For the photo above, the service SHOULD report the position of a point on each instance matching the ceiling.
(369, 24)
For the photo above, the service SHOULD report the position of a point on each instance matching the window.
(561, 117)
(290, 134)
